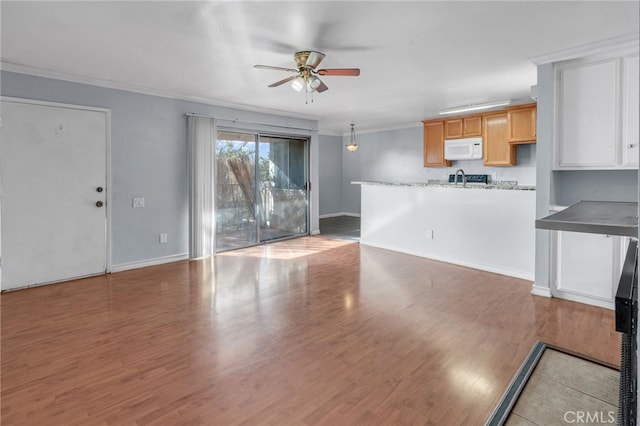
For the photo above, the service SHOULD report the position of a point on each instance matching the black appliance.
(469, 178)
(627, 323)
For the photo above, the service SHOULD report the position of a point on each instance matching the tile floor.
(564, 389)
(343, 227)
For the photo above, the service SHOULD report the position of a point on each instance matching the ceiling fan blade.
(323, 87)
(269, 67)
(283, 81)
(340, 71)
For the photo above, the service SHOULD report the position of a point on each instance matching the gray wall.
(148, 159)
(544, 176)
(602, 185)
(330, 182)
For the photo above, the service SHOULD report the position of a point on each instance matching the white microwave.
(463, 149)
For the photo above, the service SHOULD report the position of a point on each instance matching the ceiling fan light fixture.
(352, 146)
(298, 84)
(306, 79)
(313, 83)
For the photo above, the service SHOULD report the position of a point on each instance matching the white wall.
(488, 229)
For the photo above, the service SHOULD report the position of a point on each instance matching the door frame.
(258, 132)
(107, 113)
(307, 175)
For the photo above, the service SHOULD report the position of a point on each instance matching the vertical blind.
(201, 146)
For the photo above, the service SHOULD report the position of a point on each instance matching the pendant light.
(352, 146)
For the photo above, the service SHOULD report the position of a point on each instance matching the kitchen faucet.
(464, 178)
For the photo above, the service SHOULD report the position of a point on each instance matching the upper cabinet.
(597, 113)
(463, 127)
(630, 124)
(497, 149)
(501, 131)
(433, 148)
(522, 124)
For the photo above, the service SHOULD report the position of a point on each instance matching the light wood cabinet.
(463, 127)
(433, 144)
(502, 131)
(522, 124)
(497, 149)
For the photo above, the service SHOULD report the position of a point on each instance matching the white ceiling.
(415, 57)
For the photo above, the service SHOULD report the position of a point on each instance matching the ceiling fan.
(306, 75)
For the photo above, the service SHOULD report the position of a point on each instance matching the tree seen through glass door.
(261, 200)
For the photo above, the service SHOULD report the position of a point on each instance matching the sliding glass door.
(261, 188)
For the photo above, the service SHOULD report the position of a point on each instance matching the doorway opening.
(261, 188)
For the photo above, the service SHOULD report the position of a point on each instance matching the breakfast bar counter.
(490, 227)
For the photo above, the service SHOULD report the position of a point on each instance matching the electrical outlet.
(163, 238)
(138, 202)
(429, 234)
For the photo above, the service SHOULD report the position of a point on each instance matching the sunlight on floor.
(290, 249)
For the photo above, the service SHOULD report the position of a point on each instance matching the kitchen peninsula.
(488, 227)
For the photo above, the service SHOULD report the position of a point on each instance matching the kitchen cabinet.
(522, 124)
(502, 131)
(433, 144)
(587, 267)
(630, 123)
(597, 113)
(463, 127)
(497, 149)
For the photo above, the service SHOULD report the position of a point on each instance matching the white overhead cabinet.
(597, 113)
(631, 99)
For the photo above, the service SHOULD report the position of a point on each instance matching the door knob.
(99, 189)
(99, 203)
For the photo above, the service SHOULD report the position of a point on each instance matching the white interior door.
(53, 175)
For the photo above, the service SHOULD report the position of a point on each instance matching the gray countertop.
(508, 185)
(595, 217)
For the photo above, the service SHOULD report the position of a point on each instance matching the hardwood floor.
(300, 332)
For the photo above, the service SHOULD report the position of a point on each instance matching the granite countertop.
(508, 185)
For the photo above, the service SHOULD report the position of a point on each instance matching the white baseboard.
(482, 267)
(585, 299)
(540, 291)
(324, 216)
(149, 262)
(315, 232)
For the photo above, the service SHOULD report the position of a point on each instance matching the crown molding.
(617, 44)
(151, 91)
(402, 126)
